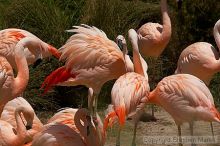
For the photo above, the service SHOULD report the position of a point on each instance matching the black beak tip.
(120, 45)
(37, 62)
(88, 131)
(28, 127)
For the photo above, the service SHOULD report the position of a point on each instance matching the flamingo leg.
(180, 137)
(90, 99)
(191, 132)
(212, 129)
(118, 137)
(152, 110)
(134, 136)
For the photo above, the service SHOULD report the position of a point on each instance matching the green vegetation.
(49, 19)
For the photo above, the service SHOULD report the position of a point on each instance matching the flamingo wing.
(65, 117)
(186, 98)
(89, 48)
(129, 95)
(58, 135)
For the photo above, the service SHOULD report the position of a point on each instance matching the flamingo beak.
(28, 127)
(120, 44)
(38, 61)
(88, 118)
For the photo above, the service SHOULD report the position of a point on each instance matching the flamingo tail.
(59, 75)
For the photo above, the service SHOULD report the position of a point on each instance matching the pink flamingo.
(66, 117)
(153, 37)
(91, 59)
(9, 112)
(186, 98)
(129, 93)
(12, 87)
(10, 37)
(62, 135)
(16, 137)
(201, 59)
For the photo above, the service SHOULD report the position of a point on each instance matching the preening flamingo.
(8, 116)
(91, 59)
(129, 93)
(12, 87)
(186, 98)
(63, 135)
(10, 37)
(66, 117)
(153, 37)
(9, 136)
(201, 59)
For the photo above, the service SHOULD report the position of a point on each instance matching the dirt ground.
(163, 127)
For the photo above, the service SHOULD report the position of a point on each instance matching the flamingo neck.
(166, 33)
(21, 81)
(216, 34)
(138, 68)
(128, 63)
(86, 129)
(21, 130)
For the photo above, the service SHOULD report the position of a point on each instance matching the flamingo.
(186, 98)
(11, 36)
(201, 59)
(12, 87)
(154, 37)
(129, 93)
(66, 116)
(91, 59)
(62, 135)
(16, 137)
(8, 116)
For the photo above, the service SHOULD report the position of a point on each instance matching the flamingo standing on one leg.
(8, 116)
(63, 135)
(9, 136)
(12, 87)
(10, 37)
(186, 98)
(130, 92)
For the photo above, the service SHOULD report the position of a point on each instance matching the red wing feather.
(58, 76)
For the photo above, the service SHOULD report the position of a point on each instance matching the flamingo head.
(36, 53)
(28, 114)
(121, 42)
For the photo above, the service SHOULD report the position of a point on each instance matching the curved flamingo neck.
(216, 34)
(21, 130)
(128, 63)
(21, 81)
(80, 116)
(86, 130)
(166, 33)
(138, 68)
